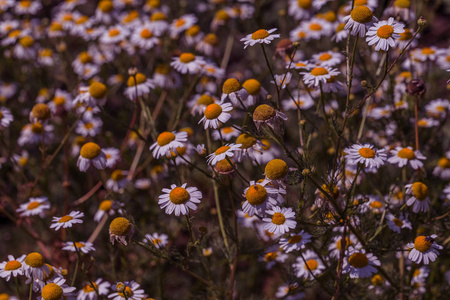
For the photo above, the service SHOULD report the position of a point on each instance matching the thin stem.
(31, 287)
(273, 76)
(17, 288)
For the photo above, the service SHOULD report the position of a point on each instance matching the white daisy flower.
(419, 199)
(282, 80)
(5, 117)
(118, 181)
(215, 114)
(384, 34)
(396, 224)
(272, 256)
(199, 102)
(121, 230)
(67, 221)
(138, 86)
(129, 291)
(88, 292)
(84, 247)
(317, 75)
(403, 156)
(56, 290)
(301, 9)
(254, 90)
(25, 7)
(366, 154)
(438, 108)
(32, 134)
(259, 197)
(34, 206)
(179, 199)
(109, 207)
(62, 100)
(289, 289)
(335, 246)
(112, 156)
(359, 19)
(313, 265)
(420, 274)
(315, 28)
(158, 23)
(34, 266)
(158, 240)
(226, 133)
(91, 153)
(282, 220)
(295, 241)
(260, 36)
(442, 169)
(13, 267)
(181, 24)
(233, 90)
(328, 58)
(168, 141)
(188, 63)
(90, 127)
(222, 152)
(424, 249)
(359, 263)
(426, 122)
(114, 35)
(302, 101)
(341, 33)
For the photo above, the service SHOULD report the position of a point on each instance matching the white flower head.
(424, 249)
(13, 267)
(260, 36)
(168, 141)
(282, 220)
(403, 156)
(359, 19)
(359, 263)
(384, 34)
(215, 114)
(179, 199)
(419, 199)
(67, 221)
(367, 155)
(295, 241)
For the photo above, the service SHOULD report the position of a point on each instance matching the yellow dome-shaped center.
(245, 140)
(315, 26)
(256, 194)
(205, 100)
(128, 292)
(52, 291)
(12, 265)
(358, 260)
(260, 34)
(319, 71)
(89, 289)
(444, 163)
(231, 85)
(276, 169)
(423, 243)
(90, 150)
(385, 31)
(26, 41)
(146, 34)
(165, 138)
(120, 226)
(37, 128)
(105, 6)
(117, 175)
(305, 4)
(406, 36)
(33, 205)
(193, 30)
(106, 205)
(252, 86)
(65, 219)
(325, 57)
(140, 78)
(41, 111)
(213, 111)
(366, 152)
(263, 112)
(158, 16)
(420, 191)
(361, 14)
(34, 260)
(398, 222)
(406, 153)
(278, 218)
(97, 90)
(311, 264)
(377, 280)
(187, 57)
(295, 239)
(179, 195)
(402, 3)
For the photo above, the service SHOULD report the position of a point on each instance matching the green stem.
(17, 288)
(273, 76)
(31, 287)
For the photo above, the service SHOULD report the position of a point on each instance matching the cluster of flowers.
(235, 127)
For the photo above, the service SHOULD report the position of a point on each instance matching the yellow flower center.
(319, 71)
(106, 205)
(23, 161)
(420, 191)
(406, 153)
(221, 15)
(295, 239)
(41, 111)
(120, 226)
(223, 166)
(85, 58)
(385, 31)
(398, 222)
(440, 108)
(227, 130)
(252, 86)
(205, 100)
(146, 34)
(222, 149)
(133, 15)
(89, 289)
(52, 291)
(97, 90)
(305, 4)
(180, 22)
(361, 14)
(265, 144)
(34, 260)
(45, 52)
(360, 2)
(366, 153)
(444, 163)
(193, 31)
(406, 36)
(376, 204)
(311, 264)
(256, 194)
(325, 57)
(165, 138)
(26, 41)
(114, 32)
(213, 111)
(65, 219)
(231, 85)
(428, 51)
(79, 245)
(158, 16)
(37, 128)
(117, 175)
(423, 243)
(278, 218)
(315, 26)
(340, 27)
(90, 150)
(330, 16)
(260, 34)
(25, 3)
(88, 125)
(416, 272)
(179, 195)
(128, 292)
(33, 205)
(187, 57)
(12, 265)
(140, 78)
(246, 141)
(348, 242)
(105, 6)
(58, 101)
(81, 20)
(358, 260)
(211, 39)
(263, 112)
(377, 280)
(402, 3)
(271, 256)
(276, 169)
(4, 296)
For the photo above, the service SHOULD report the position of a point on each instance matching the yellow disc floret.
(252, 86)
(305, 4)
(358, 260)
(65, 219)
(90, 150)
(264, 112)
(97, 90)
(12, 265)
(205, 100)
(256, 194)
(222, 150)
(295, 239)
(231, 85)
(260, 34)
(213, 111)
(52, 291)
(361, 14)
(366, 152)
(34, 260)
(140, 78)
(106, 205)
(41, 111)
(385, 31)
(187, 57)
(278, 218)
(245, 140)
(406, 153)
(319, 71)
(420, 191)
(120, 226)
(311, 264)
(179, 195)
(276, 169)
(423, 243)
(165, 138)
(444, 163)
(402, 3)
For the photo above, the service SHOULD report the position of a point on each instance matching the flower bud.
(416, 87)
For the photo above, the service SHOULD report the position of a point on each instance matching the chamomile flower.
(308, 263)
(418, 196)
(283, 80)
(335, 246)
(208, 44)
(179, 199)
(318, 75)
(168, 141)
(295, 241)
(181, 24)
(289, 292)
(13, 267)
(26, 7)
(90, 127)
(226, 133)
(215, 114)
(396, 224)
(34, 266)
(138, 86)
(424, 249)
(259, 197)
(118, 181)
(88, 292)
(359, 263)
(276, 171)
(328, 58)
(367, 155)
(233, 90)
(359, 19)
(302, 101)
(315, 28)
(5, 117)
(84, 247)
(340, 33)
(222, 152)
(34, 206)
(57, 290)
(121, 230)
(300, 9)
(62, 100)
(266, 114)
(282, 220)
(112, 156)
(67, 221)
(40, 113)
(260, 36)
(91, 153)
(114, 34)
(426, 122)
(438, 108)
(442, 169)
(403, 156)
(158, 240)
(254, 91)
(188, 63)
(107, 207)
(384, 34)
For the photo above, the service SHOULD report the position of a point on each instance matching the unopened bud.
(364, 83)
(132, 71)
(203, 230)
(269, 97)
(296, 44)
(416, 87)
(422, 21)
(306, 172)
